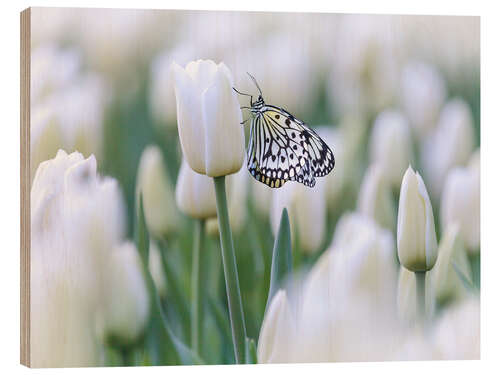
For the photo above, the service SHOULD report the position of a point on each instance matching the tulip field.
(158, 233)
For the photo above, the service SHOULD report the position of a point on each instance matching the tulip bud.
(209, 117)
(446, 283)
(375, 199)
(276, 333)
(423, 92)
(390, 145)
(126, 302)
(156, 269)
(416, 234)
(307, 210)
(450, 145)
(460, 204)
(157, 193)
(195, 193)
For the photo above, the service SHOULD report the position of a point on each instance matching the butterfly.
(282, 148)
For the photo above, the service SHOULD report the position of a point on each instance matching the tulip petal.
(189, 119)
(224, 136)
(202, 72)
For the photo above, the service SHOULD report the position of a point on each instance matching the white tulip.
(446, 283)
(416, 234)
(157, 192)
(375, 198)
(195, 193)
(450, 145)
(276, 333)
(334, 314)
(423, 92)
(156, 268)
(125, 307)
(307, 211)
(364, 258)
(460, 204)
(390, 145)
(77, 217)
(209, 117)
(457, 333)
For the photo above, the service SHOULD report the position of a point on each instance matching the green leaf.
(465, 280)
(184, 355)
(141, 233)
(250, 351)
(281, 264)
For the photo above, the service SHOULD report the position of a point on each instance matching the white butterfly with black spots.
(282, 148)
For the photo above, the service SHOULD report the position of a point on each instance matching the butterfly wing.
(278, 150)
(254, 149)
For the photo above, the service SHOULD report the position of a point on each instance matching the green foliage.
(282, 256)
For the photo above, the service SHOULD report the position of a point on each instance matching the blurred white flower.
(446, 283)
(162, 94)
(237, 190)
(52, 69)
(209, 117)
(157, 193)
(335, 181)
(282, 77)
(277, 331)
(364, 75)
(423, 92)
(125, 306)
(77, 217)
(261, 197)
(353, 133)
(306, 209)
(333, 314)
(416, 234)
(46, 137)
(79, 110)
(131, 36)
(457, 333)
(375, 199)
(450, 145)
(460, 204)
(390, 145)
(195, 193)
(407, 296)
(364, 258)
(156, 268)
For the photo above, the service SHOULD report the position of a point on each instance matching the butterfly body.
(282, 148)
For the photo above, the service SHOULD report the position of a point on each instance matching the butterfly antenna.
(241, 93)
(256, 84)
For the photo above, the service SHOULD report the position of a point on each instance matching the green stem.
(421, 310)
(196, 284)
(230, 272)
